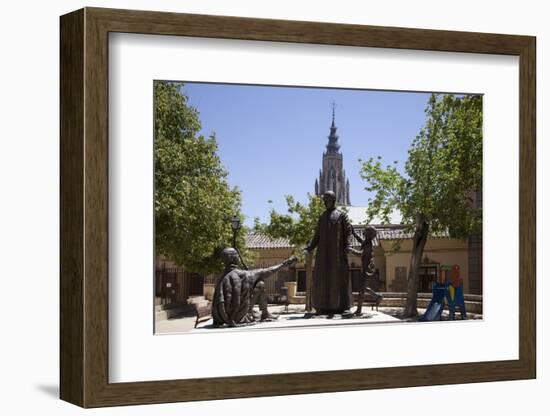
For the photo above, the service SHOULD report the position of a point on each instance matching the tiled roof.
(399, 233)
(256, 240)
(262, 241)
(355, 243)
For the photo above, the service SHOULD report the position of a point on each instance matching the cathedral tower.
(332, 176)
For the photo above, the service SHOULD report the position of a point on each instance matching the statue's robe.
(231, 297)
(233, 293)
(331, 288)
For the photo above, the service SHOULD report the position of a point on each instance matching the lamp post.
(235, 226)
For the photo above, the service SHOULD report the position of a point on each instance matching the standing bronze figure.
(331, 288)
(237, 289)
(367, 266)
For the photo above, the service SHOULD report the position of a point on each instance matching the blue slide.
(435, 308)
(433, 313)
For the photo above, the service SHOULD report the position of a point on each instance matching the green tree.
(193, 200)
(297, 224)
(442, 172)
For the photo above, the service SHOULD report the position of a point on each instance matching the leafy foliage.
(297, 224)
(442, 172)
(193, 200)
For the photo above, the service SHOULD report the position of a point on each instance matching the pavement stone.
(291, 319)
(294, 318)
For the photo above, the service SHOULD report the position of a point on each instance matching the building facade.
(391, 256)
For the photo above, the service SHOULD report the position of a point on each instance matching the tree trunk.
(419, 241)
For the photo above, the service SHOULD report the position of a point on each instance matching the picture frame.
(84, 217)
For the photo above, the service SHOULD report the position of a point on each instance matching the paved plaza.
(293, 318)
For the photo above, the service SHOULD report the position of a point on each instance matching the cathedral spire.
(332, 176)
(333, 146)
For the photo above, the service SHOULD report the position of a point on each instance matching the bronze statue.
(236, 290)
(367, 266)
(259, 297)
(331, 288)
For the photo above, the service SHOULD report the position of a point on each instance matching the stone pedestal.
(292, 288)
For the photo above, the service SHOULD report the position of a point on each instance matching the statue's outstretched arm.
(357, 236)
(260, 274)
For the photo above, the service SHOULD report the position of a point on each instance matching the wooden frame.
(84, 207)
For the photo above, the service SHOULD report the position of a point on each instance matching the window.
(426, 276)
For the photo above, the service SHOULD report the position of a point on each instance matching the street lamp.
(235, 226)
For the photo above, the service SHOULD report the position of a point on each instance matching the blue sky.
(271, 139)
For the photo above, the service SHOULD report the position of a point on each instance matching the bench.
(203, 313)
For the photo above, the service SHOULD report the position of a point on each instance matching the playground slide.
(433, 313)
